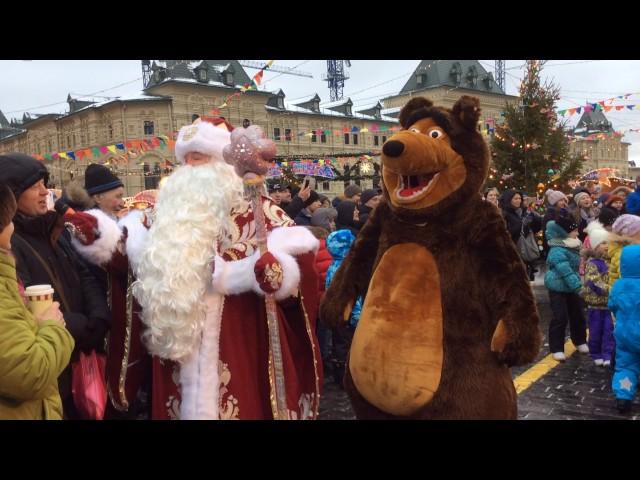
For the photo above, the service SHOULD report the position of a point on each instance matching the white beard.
(192, 214)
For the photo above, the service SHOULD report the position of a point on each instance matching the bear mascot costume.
(448, 306)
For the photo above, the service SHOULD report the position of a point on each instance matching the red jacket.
(323, 260)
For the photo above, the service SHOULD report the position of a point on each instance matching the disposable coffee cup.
(40, 298)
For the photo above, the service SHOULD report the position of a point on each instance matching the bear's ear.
(411, 106)
(466, 112)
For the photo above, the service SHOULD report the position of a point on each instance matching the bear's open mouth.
(410, 186)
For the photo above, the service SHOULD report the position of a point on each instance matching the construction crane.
(335, 77)
(286, 70)
(500, 74)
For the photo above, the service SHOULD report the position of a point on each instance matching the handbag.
(528, 247)
(88, 385)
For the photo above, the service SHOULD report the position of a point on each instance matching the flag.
(258, 77)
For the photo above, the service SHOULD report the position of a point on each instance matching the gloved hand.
(268, 272)
(83, 227)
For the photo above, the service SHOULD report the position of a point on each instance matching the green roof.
(468, 74)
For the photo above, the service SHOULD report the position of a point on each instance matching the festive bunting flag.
(47, 156)
(63, 155)
(120, 146)
(104, 150)
(112, 148)
(71, 155)
(258, 77)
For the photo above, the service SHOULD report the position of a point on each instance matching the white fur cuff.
(235, 277)
(137, 236)
(102, 249)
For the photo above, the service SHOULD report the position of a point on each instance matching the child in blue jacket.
(338, 244)
(624, 302)
(563, 282)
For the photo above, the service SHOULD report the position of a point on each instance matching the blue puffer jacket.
(624, 298)
(339, 243)
(563, 262)
(632, 204)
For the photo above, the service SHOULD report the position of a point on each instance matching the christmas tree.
(530, 149)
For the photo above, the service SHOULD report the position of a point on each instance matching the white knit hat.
(202, 137)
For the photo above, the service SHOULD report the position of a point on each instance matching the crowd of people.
(590, 249)
(195, 319)
(135, 295)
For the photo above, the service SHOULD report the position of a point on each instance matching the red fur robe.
(245, 384)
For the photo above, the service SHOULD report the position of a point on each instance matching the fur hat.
(579, 196)
(98, 179)
(627, 225)
(352, 190)
(202, 137)
(567, 223)
(554, 196)
(597, 236)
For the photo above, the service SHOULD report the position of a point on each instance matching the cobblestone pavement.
(573, 390)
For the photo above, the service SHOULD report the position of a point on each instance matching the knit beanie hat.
(607, 216)
(313, 196)
(368, 195)
(613, 198)
(98, 179)
(554, 196)
(19, 172)
(322, 216)
(352, 190)
(579, 196)
(627, 225)
(568, 224)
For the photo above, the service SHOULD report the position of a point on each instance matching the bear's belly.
(397, 352)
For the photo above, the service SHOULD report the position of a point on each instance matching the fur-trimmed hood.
(77, 197)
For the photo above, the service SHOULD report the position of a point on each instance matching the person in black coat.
(368, 202)
(297, 202)
(519, 221)
(310, 205)
(44, 255)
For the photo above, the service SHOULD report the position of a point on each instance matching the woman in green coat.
(33, 350)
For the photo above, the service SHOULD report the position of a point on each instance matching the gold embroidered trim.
(315, 357)
(122, 404)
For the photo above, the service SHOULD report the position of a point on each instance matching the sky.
(41, 86)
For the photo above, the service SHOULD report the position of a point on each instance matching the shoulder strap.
(54, 278)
